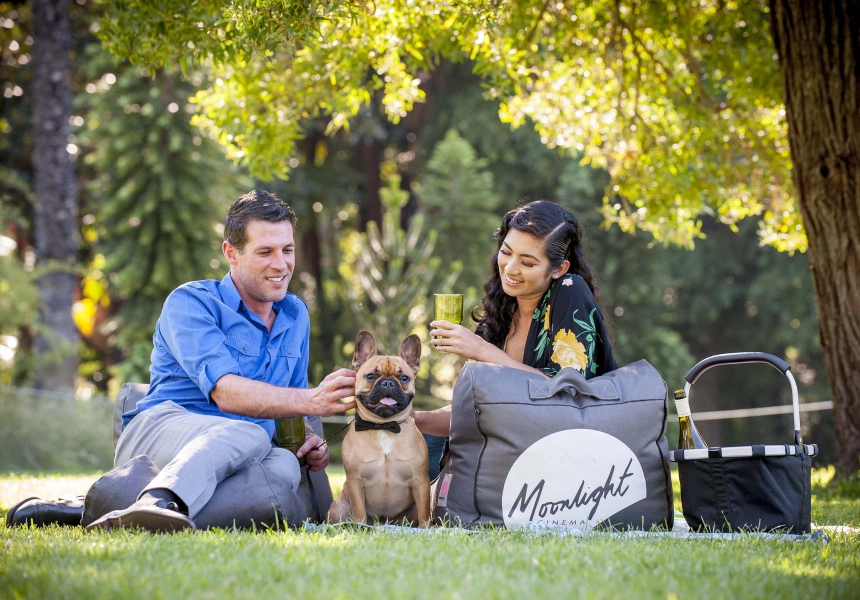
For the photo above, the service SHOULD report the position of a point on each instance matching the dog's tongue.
(388, 401)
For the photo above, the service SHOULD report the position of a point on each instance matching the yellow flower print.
(546, 320)
(567, 351)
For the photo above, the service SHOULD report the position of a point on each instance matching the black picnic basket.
(747, 488)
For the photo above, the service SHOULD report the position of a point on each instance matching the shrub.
(53, 432)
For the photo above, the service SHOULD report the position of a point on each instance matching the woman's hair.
(561, 234)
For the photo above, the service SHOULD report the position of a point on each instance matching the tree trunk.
(368, 156)
(818, 42)
(56, 213)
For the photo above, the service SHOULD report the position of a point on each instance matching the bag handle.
(739, 358)
(572, 381)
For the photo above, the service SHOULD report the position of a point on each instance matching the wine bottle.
(689, 438)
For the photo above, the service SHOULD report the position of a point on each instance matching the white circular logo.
(573, 478)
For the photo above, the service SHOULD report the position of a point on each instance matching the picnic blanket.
(541, 528)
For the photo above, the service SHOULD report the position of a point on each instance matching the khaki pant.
(196, 453)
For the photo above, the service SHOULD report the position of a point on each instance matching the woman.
(540, 312)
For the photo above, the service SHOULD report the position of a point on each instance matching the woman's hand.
(458, 340)
(434, 422)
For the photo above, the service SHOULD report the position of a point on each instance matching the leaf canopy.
(680, 101)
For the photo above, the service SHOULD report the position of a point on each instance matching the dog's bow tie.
(362, 425)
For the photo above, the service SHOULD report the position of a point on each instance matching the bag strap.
(572, 381)
(314, 503)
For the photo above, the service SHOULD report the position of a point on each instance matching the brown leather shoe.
(156, 516)
(41, 513)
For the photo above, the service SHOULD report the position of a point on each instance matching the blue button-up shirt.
(205, 331)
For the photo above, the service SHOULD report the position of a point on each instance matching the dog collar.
(362, 425)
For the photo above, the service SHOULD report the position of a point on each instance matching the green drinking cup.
(448, 307)
(291, 434)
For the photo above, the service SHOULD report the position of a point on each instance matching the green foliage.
(51, 432)
(650, 92)
(458, 193)
(632, 289)
(290, 74)
(826, 486)
(160, 188)
(522, 165)
(258, 101)
(19, 292)
(19, 306)
(217, 30)
(653, 94)
(19, 296)
(389, 274)
(17, 201)
(15, 74)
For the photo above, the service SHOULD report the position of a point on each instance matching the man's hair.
(256, 205)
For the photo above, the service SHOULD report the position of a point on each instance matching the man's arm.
(242, 396)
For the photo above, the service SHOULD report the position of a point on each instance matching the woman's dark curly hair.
(562, 236)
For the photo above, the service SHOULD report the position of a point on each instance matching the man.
(229, 356)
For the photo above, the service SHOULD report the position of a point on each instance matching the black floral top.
(567, 330)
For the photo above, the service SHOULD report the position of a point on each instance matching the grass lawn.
(58, 563)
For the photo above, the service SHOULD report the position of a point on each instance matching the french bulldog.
(384, 455)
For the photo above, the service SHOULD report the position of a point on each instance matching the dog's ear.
(410, 351)
(365, 347)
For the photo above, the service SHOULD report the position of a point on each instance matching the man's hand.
(325, 399)
(317, 457)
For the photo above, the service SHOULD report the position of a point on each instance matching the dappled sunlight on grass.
(835, 502)
(314, 540)
(493, 563)
(14, 487)
(796, 568)
(836, 511)
(811, 560)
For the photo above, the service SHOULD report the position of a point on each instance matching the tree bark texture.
(818, 43)
(56, 214)
(368, 157)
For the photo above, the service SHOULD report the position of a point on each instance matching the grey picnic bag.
(561, 452)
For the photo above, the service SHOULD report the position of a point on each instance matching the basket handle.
(735, 358)
(739, 358)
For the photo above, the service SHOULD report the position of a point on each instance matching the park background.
(400, 131)
(390, 211)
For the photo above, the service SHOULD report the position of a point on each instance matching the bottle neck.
(683, 407)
